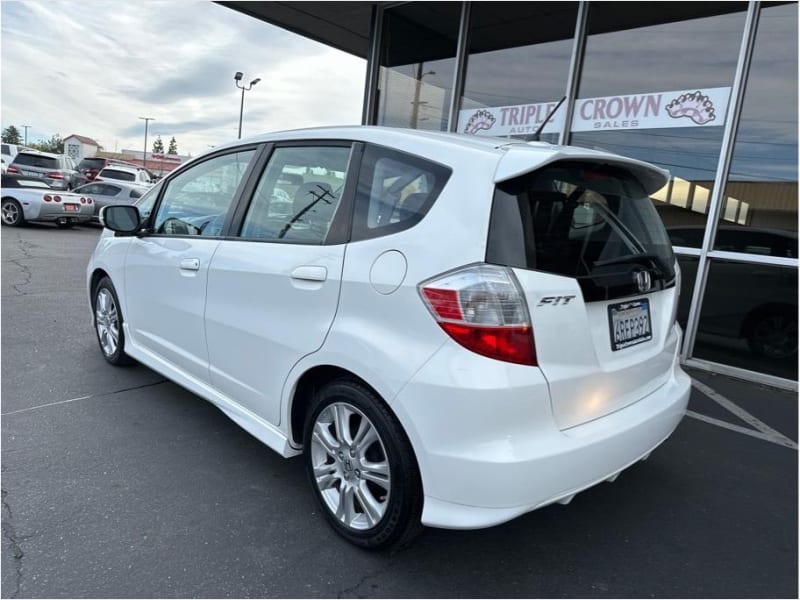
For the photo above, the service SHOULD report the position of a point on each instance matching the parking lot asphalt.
(116, 483)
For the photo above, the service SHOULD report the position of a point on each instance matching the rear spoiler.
(524, 158)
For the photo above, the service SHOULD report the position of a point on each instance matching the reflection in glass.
(519, 55)
(749, 316)
(639, 52)
(417, 65)
(761, 193)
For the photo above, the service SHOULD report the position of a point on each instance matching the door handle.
(310, 273)
(190, 264)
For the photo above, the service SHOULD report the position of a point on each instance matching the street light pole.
(417, 85)
(146, 123)
(26, 127)
(237, 78)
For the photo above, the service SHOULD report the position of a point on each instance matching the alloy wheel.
(351, 467)
(107, 321)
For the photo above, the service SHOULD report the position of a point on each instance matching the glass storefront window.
(517, 67)
(759, 211)
(655, 85)
(415, 82)
(749, 318)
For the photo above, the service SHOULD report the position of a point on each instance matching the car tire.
(773, 334)
(12, 215)
(361, 467)
(108, 323)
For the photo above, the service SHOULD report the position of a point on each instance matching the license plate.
(33, 174)
(629, 323)
(72, 207)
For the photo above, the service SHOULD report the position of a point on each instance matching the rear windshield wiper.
(642, 258)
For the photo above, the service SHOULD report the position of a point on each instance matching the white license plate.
(33, 174)
(629, 323)
(72, 208)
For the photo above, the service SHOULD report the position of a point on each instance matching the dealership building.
(707, 90)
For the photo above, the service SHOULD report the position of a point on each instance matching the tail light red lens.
(83, 200)
(56, 198)
(483, 308)
(55, 175)
(88, 200)
(47, 198)
(12, 169)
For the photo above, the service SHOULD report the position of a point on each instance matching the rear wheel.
(11, 213)
(773, 334)
(361, 467)
(108, 323)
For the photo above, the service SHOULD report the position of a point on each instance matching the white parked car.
(31, 199)
(118, 172)
(452, 330)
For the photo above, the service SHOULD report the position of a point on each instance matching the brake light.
(56, 198)
(88, 200)
(483, 308)
(55, 175)
(47, 198)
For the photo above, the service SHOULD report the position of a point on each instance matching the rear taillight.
(83, 200)
(12, 169)
(56, 198)
(88, 200)
(483, 308)
(47, 198)
(55, 175)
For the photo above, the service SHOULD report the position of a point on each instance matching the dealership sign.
(657, 110)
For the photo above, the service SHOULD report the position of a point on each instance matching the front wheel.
(11, 213)
(108, 323)
(361, 467)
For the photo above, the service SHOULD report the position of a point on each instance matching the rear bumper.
(495, 453)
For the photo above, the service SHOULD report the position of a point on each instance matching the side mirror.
(121, 218)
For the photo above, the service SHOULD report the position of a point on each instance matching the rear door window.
(583, 220)
(117, 174)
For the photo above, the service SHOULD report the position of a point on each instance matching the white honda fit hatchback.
(452, 330)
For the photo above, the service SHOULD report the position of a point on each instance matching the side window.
(110, 190)
(197, 201)
(297, 195)
(135, 194)
(395, 191)
(92, 188)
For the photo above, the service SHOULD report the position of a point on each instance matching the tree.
(11, 135)
(158, 146)
(173, 146)
(55, 144)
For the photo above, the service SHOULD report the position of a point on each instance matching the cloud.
(93, 68)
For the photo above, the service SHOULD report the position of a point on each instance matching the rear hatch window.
(120, 175)
(34, 160)
(588, 221)
(95, 164)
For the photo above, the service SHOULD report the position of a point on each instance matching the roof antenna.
(549, 116)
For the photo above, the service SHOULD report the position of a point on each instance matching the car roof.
(119, 167)
(515, 157)
(39, 153)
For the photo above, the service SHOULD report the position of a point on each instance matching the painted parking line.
(762, 430)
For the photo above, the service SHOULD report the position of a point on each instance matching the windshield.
(589, 221)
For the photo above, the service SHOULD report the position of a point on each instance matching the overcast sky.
(92, 67)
